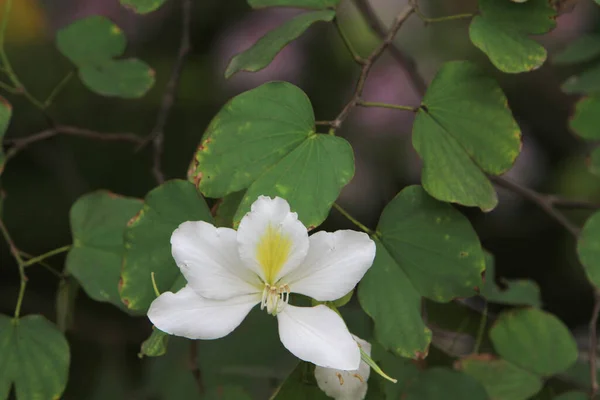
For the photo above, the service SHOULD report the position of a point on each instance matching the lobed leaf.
(263, 140)
(501, 379)
(502, 32)
(426, 248)
(98, 222)
(266, 48)
(92, 44)
(464, 129)
(35, 358)
(147, 241)
(534, 340)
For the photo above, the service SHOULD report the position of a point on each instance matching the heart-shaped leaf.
(464, 129)
(588, 249)
(534, 340)
(91, 44)
(502, 30)
(142, 6)
(425, 248)
(312, 4)
(98, 222)
(148, 245)
(35, 358)
(264, 140)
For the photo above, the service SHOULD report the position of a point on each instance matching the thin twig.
(481, 329)
(427, 20)
(57, 89)
(19, 145)
(352, 219)
(369, 62)
(43, 264)
(407, 63)
(594, 344)
(158, 131)
(20, 263)
(42, 257)
(386, 105)
(541, 200)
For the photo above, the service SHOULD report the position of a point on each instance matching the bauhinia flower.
(268, 258)
(345, 385)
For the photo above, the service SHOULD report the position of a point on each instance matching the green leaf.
(572, 396)
(586, 120)
(264, 51)
(387, 295)
(400, 368)
(5, 116)
(588, 82)
(464, 129)
(517, 292)
(128, 79)
(300, 385)
(98, 222)
(588, 249)
(445, 384)
(313, 4)
(147, 241)
(501, 379)
(91, 41)
(502, 32)
(92, 44)
(433, 243)
(35, 358)
(426, 248)
(534, 340)
(155, 345)
(264, 140)
(142, 6)
(225, 209)
(584, 48)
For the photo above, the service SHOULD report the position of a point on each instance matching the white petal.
(335, 263)
(345, 385)
(318, 335)
(187, 314)
(209, 260)
(272, 241)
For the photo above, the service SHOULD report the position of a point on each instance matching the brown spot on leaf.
(120, 284)
(126, 302)
(311, 227)
(215, 207)
(463, 254)
(5, 103)
(134, 219)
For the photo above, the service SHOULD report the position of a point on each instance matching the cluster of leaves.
(265, 142)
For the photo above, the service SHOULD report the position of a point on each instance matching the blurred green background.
(41, 183)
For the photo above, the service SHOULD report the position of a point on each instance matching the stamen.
(360, 378)
(340, 378)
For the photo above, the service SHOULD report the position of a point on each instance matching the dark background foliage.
(41, 183)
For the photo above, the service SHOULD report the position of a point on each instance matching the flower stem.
(42, 257)
(352, 219)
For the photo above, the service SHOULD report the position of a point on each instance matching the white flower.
(269, 257)
(345, 385)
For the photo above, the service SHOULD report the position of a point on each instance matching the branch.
(407, 63)
(368, 64)
(158, 132)
(21, 264)
(594, 344)
(20, 144)
(545, 202)
(353, 220)
(428, 20)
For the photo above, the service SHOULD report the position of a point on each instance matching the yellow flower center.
(274, 298)
(272, 252)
